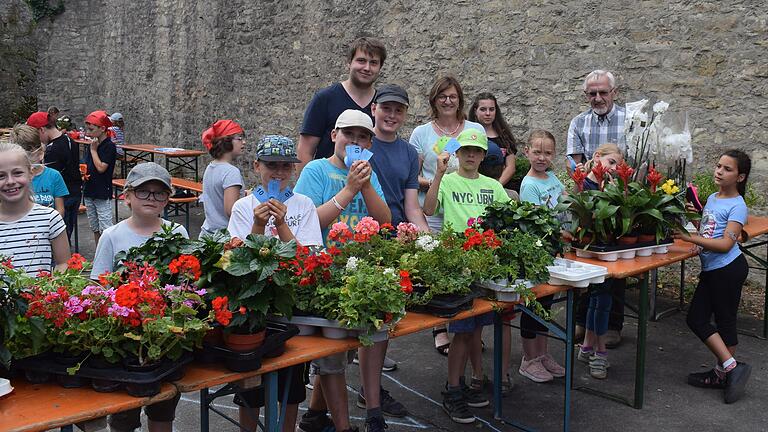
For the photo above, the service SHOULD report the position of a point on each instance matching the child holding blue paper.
(275, 211)
(344, 188)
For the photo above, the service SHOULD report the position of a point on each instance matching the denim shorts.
(468, 325)
(334, 364)
(99, 213)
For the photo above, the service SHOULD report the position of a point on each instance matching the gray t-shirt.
(217, 177)
(119, 238)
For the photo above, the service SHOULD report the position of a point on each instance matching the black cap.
(494, 156)
(392, 93)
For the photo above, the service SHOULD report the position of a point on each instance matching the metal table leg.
(204, 416)
(642, 328)
(271, 421)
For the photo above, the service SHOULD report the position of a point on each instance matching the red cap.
(99, 118)
(220, 129)
(38, 119)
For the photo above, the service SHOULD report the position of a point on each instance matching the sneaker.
(311, 381)
(708, 379)
(456, 407)
(388, 366)
(552, 366)
(479, 383)
(736, 382)
(612, 339)
(389, 406)
(316, 423)
(473, 397)
(375, 424)
(534, 370)
(507, 385)
(598, 367)
(583, 356)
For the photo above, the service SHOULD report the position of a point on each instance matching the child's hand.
(278, 210)
(359, 175)
(682, 235)
(261, 214)
(442, 162)
(690, 208)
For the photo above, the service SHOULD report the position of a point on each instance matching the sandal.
(709, 379)
(442, 349)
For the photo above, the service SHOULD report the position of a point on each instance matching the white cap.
(354, 118)
(116, 117)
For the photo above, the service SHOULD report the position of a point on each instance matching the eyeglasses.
(443, 98)
(602, 93)
(277, 166)
(143, 194)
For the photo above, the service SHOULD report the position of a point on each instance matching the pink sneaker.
(552, 366)
(534, 370)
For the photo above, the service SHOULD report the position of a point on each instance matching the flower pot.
(36, 377)
(214, 336)
(105, 386)
(71, 381)
(99, 362)
(627, 240)
(68, 359)
(244, 342)
(646, 238)
(141, 389)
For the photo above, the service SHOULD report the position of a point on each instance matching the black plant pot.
(71, 381)
(68, 359)
(36, 377)
(105, 386)
(141, 389)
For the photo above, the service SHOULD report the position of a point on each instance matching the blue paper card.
(366, 155)
(273, 188)
(284, 195)
(260, 194)
(353, 154)
(451, 146)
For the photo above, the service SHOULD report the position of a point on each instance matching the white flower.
(389, 271)
(426, 243)
(641, 118)
(352, 263)
(538, 243)
(660, 106)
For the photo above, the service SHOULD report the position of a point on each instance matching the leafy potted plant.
(539, 221)
(255, 280)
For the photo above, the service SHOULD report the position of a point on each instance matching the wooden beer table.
(39, 407)
(639, 267)
(174, 158)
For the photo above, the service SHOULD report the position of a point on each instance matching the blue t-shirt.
(322, 112)
(99, 185)
(397, 166)
(716, 215)
(47, 186)
(541, 191)
(320, 180)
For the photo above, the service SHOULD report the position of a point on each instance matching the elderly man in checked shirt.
(602, 123)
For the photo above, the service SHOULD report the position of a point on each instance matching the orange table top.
(175, 181)
(39, 407)
(756, 226)
(151, 148)
(301, 349)
(622, 268)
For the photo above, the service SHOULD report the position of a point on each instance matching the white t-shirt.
(301, 217)
(121, 237)
(27, 240)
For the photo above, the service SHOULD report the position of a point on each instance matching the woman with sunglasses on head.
(446, 108)
(222, 181)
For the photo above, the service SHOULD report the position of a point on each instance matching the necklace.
(444, 132)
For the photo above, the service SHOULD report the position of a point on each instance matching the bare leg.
(371, 359)
(457, 357)
(291, 413)
(530, 348)
(335, 393)
(476, 353)
(154, 426)
(317, 401)
(717, 346)
(248, 418)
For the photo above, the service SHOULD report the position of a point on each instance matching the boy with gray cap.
(147, 190)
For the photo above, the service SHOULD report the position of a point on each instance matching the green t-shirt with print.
(463, 198)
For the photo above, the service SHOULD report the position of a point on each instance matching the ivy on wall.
(42, 8)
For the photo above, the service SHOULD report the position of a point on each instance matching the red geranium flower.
(186, 265)
(75, 262)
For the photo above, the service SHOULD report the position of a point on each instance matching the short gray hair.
(596, 75)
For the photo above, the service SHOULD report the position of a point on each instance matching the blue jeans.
(71, 207)
(599, 310)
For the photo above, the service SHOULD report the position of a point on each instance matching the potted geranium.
(255, 280)
(539, 221)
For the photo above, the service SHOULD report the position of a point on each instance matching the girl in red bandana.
(222, 181)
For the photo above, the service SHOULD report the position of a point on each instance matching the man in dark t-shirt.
(365, 58)
(63, 155)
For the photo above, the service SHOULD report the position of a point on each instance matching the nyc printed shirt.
(462, 198)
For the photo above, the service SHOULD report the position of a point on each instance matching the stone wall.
(173, 66)
(18, 61)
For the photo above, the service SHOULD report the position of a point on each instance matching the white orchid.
(660, 107)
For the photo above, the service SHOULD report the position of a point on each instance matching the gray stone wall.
(18, 60)
(173, 66)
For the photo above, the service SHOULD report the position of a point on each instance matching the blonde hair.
(27, 137)
(540, 134)
(603, 150)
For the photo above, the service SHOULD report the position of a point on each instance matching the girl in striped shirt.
(33, 236)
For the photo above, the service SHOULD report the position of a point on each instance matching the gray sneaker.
(583, 356)
(598, 367)
(389, 405)
(473, 397)
(456, 407)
